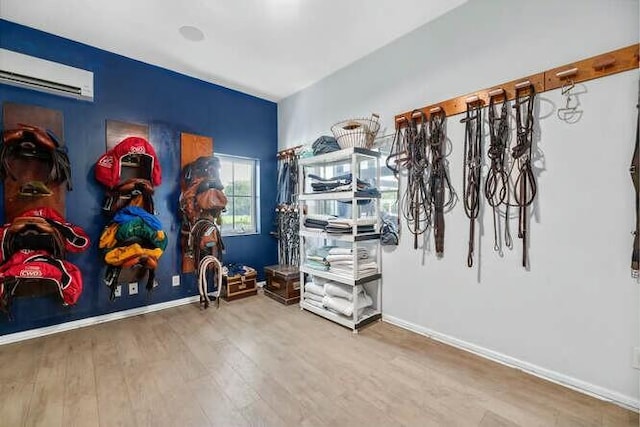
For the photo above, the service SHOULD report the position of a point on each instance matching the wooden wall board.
(13, 114)
(606, 64)
(595, 67)
(458, 105)
(287, 152)
(31, 169)
(116, 131)
(191, 147)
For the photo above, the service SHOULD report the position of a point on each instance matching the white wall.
(574, 316)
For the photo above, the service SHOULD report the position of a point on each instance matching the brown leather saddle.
(32, 142)
(132, 192)
(33, 233)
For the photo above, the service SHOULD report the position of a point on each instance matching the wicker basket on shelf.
(357, 132)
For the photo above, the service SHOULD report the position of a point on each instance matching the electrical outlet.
(636, 358)
(175, 281)
(118, 292)
(133, 288)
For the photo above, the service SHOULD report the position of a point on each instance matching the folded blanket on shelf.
(340, 290)
(317, 265)
(365, 192)
(336, 183)
(314, 288)
(345, 230)
(314, 303)
(324, 144)
(335, 225)
(346, 307)
(348, 264)
(348, 271)
(330, 186)
(333, 258)
(312, 223)
(321, 251)
(320, 217)
(348, 222)
(345, 263)
(346, 251)
(310, 296)
(346, 268)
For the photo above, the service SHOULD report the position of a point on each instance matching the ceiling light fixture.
(191, 33)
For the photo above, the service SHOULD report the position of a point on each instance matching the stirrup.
(35, 189)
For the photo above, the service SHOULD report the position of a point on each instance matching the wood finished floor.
(256, 362)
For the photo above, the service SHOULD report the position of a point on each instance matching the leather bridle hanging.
(397, 152)
(419, 146)
(417, 210)
(471, 168)
(635, 176)
(439, 182)
(496, 188)
(524, 181)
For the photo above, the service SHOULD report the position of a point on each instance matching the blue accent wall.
(170, 103)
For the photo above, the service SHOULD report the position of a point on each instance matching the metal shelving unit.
(372, 283)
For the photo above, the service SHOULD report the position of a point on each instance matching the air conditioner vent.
(38, 83)
(29, 72)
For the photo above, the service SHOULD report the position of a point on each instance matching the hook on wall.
(570, 112)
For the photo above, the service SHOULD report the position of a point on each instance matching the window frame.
(254, 197)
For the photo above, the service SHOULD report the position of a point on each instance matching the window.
(388, 182)
(240, 179)
(388, 191)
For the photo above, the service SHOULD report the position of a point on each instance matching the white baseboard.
(544, 373)
(261, 284)
(96, 320)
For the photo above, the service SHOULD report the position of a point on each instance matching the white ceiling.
(268, 48)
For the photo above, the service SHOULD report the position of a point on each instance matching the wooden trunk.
(283, 283)
(240, 285)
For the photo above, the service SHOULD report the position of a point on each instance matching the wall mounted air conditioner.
(26, 71)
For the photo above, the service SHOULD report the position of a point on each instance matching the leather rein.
(496, 187)
(443, 195)
(635, 176)
(471, 169)
(419, 147)
(521, 173)
(417, 210)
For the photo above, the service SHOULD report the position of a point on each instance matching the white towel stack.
(335, 297)
(347, 268)
(341, 261)
(339, 290)
(313, 293)
(339, 298)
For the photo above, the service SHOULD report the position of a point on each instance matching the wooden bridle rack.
(598, 66)
(288, 152)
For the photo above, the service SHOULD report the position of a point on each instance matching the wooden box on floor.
(283, 283)
(240, 285)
